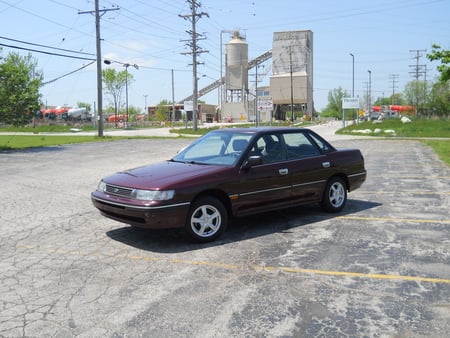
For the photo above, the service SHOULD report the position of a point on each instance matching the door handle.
(326, 164)
(284, 171)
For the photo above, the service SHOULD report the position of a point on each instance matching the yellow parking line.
(393, 219)
(240, 267)
(362, 275)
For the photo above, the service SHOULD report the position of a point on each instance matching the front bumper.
(142, 216)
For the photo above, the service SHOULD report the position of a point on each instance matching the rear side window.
(299, 146)
(324, 146)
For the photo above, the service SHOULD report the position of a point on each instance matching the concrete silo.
(236, 78)
(291, 85)
(236, 63)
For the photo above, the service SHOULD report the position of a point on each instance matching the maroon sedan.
(229, 173)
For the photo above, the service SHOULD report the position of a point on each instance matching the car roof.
(256, 130)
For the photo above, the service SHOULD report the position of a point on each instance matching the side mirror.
(252, 161)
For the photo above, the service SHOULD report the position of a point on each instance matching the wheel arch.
(218, 194)
(342, 176)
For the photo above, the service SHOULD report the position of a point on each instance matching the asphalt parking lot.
(381, 268)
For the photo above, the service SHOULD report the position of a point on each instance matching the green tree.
(132, 112)
(439, 99)
(162, 110)
(20, 81)
(334, 107)
(397, 98)
(115, 82)
(84, 105)
(382, 101)
(416, 94)
(439, 54)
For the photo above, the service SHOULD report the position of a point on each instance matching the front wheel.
(207, 219)
(335, 195)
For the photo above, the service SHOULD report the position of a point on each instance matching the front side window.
(271, 148)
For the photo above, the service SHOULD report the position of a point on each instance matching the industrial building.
(290, 93)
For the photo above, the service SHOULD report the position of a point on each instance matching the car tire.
(335, 195)
(207, 220)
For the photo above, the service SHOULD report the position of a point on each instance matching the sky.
(384, 36)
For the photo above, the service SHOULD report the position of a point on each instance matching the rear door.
(308, 166)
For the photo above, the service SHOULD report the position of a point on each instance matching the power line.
(44, 46)
(44, 52)
(70, 73)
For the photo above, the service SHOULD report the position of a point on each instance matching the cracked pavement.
(379, 269)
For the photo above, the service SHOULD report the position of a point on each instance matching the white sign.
(265, 105)
(188, 105)
(350, 103)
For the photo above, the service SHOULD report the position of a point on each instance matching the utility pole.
(145, 104)
(257, 113)
(418, 71)
(172, 116)
(96, 12)
(369, 93)
(195, 50)
(394, 78)
(292, 84)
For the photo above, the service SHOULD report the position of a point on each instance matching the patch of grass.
(416, 128)
(190, 131)
(57, 128)
(441, 148)
(424, 128)
(11, 142)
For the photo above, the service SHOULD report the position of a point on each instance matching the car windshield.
(216, 148)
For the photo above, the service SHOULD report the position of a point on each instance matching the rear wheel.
(207, 219)
(335, 195)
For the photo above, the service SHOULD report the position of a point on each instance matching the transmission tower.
(195, 50)
(394, 78)
(418, 71)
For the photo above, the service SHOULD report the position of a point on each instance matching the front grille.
(118, 191)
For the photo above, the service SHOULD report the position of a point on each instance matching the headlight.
(152, 195)
(101, 186)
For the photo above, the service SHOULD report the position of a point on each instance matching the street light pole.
(353, 82)
(369, 96)
(353, 74)
(126, 65)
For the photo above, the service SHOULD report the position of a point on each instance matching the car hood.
(164, 175)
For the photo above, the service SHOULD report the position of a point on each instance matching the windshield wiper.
(196, 162)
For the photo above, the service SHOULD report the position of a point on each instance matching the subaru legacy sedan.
(230, 173)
